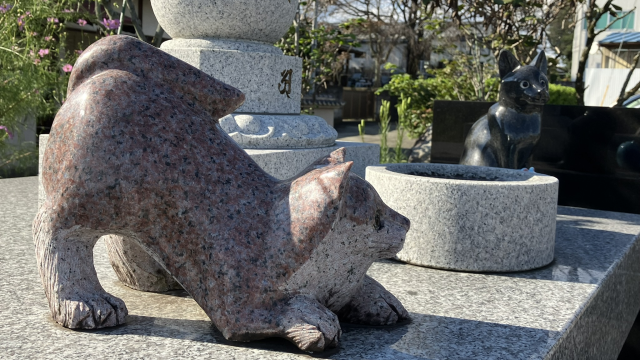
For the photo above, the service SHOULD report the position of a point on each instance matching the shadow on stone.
(205, 332)
(589, 263)
(423, 339)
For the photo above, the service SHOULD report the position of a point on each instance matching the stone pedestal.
(233, 42)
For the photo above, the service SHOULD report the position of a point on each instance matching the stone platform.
(581, 306)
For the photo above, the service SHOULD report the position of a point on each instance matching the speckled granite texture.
(498, 220)
(264, 21)
(256, 74)
(262, 257)
(253, 131)
(139, 271)
(233, 42)
(283, 164)
(579, 307)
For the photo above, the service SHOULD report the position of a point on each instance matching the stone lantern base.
(270, 117)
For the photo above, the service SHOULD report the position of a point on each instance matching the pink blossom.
(4, 8)
(7, 131)
(82, 22)
(34, 34)
(53, 20)
(43, 52)
(67, 68)
(111, 24)
(21, 22)
(78, 52)
(36, 61)
(67, 11)
(48, 38)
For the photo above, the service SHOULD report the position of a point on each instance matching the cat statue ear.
(540, 62)
(507, 63)
(314, 215)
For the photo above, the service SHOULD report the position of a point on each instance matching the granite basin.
(471, 218)
(264, 21)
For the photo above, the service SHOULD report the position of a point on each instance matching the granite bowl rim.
(530, 178)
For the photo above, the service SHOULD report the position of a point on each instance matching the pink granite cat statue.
(136, 151)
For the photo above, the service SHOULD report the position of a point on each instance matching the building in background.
(611, 55)
(598, 58)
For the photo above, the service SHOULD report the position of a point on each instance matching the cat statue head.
(523, 88)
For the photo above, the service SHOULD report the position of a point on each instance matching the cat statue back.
(507, 136)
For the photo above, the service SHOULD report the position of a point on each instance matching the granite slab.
(581, 306)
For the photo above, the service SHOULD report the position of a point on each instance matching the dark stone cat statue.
(136, 152)
(507, 136)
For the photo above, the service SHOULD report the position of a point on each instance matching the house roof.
(629, 40)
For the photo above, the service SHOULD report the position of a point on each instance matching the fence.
(359, 103)
(604, 85)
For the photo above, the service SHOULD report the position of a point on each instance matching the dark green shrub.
(562, 95)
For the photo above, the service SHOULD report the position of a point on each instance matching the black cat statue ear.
(541, 62)
(506, 137)
(507, 63)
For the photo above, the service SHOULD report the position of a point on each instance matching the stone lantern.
(232, 40)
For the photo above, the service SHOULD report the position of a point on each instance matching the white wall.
(605, 85)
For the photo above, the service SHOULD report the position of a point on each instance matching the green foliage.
(562, 95)
(452, 82)
(326, 57)
(417, 115)
(385, 118)
(36, 59)
(404, 116)
(361, 128)
(32, 59)
(34, 66)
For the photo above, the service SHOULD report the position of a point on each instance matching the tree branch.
(617, 18)
(624, 96)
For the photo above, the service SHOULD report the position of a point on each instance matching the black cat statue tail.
(508, 134)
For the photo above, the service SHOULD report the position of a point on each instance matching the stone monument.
(233, 41)
(136, 152)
